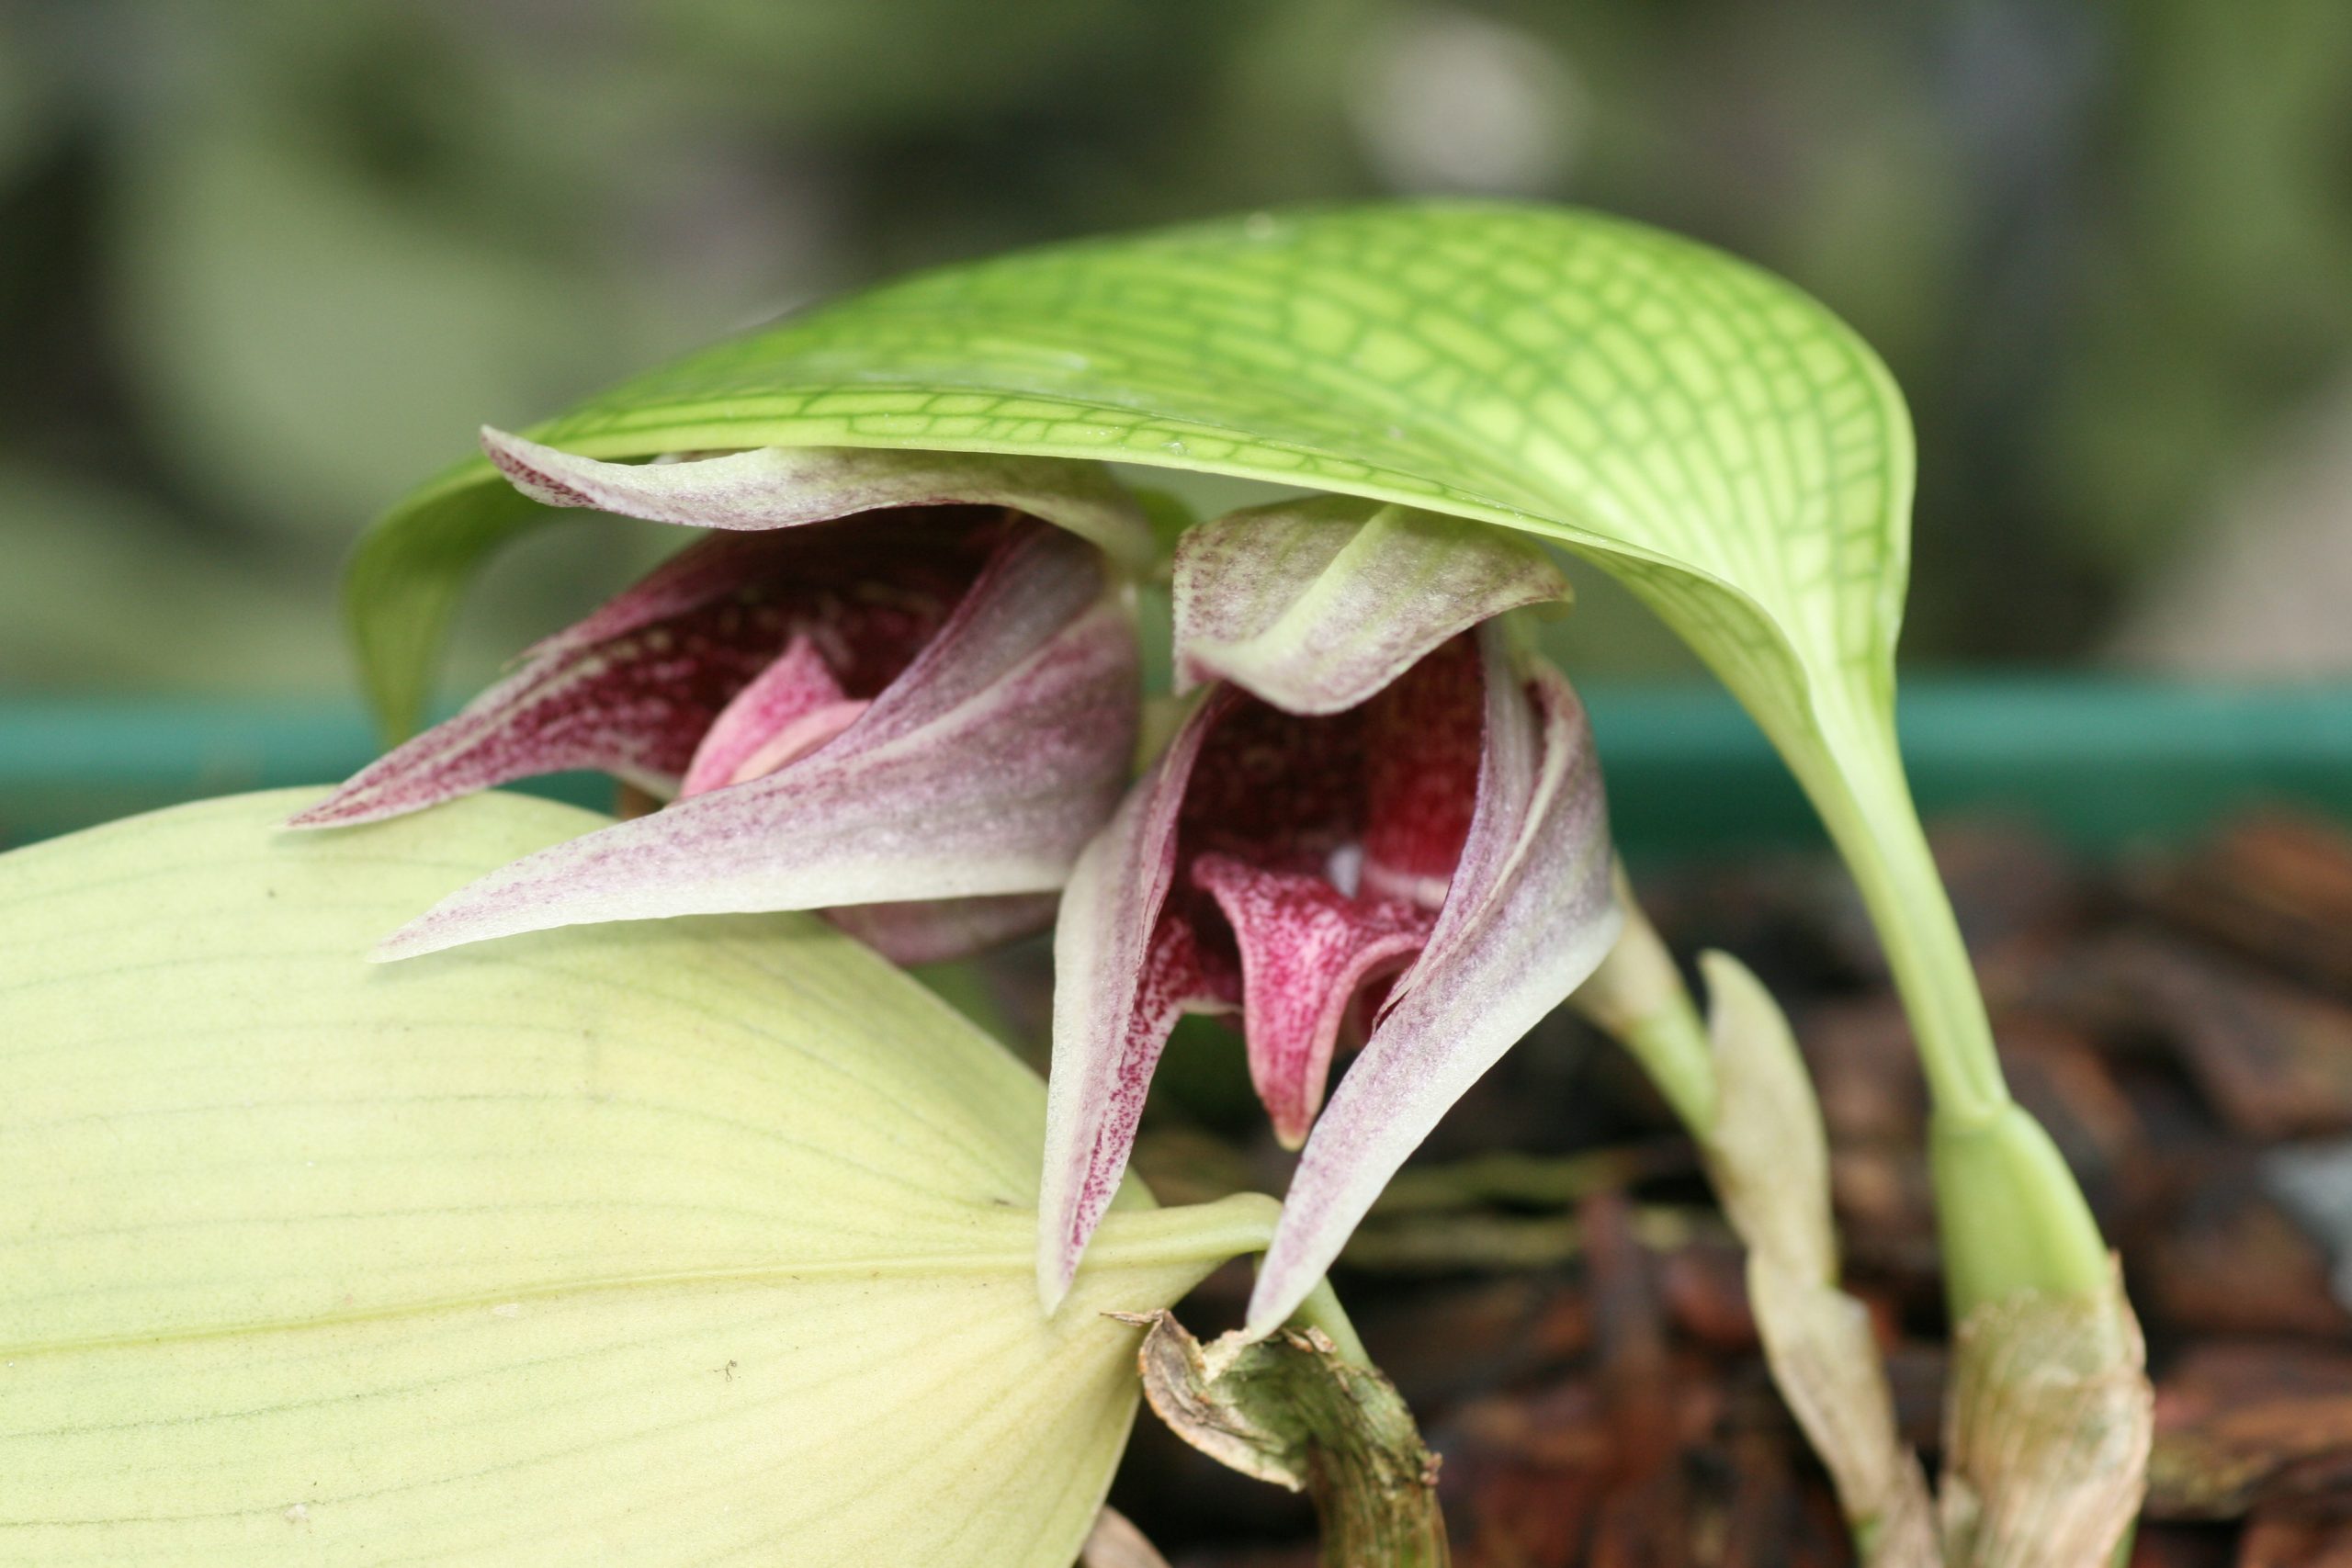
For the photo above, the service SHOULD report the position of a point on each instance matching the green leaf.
(654, 1244)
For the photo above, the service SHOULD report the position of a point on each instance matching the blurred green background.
(265, 263)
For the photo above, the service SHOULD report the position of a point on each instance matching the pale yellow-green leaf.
(687, 1242)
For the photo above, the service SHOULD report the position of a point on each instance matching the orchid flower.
(900, 688)
(1381, 818)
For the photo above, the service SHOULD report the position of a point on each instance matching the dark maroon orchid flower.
(1381, 821)
(897, 687)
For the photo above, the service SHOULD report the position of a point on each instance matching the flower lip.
(1308, 951)
(1317, 850)
(787, 710)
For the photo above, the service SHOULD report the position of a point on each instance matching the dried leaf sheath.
(1291, 1410)
(1768, 1157)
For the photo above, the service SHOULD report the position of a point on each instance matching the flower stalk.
(2011, 1215)
(1298, 1409)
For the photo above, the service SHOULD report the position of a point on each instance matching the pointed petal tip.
(430, 932)
(504, 447)
(343, 807)
(1054, 1276)
(1267, 1312)
(402, 944)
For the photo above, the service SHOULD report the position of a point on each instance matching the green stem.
(1868, 811)
(1637, 998)
(2012, 1217)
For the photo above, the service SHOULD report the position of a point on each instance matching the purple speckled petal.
(1315, 606)
(1121, 977)
(629, 690)
(982, 770)
(1528, 916)
(782, 486)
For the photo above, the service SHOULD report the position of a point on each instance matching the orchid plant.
(895, 682)
(1697, 427)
